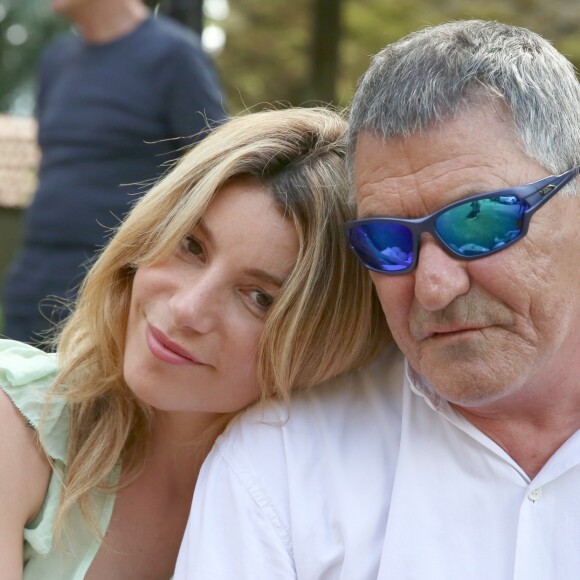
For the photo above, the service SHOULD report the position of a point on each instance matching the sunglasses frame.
(535, 194)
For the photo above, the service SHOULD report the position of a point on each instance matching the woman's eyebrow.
(266, 276)
(254, 272)
(202, 227)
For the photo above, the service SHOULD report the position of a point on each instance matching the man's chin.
(460, 376)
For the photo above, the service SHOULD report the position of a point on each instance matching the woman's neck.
(180, 442)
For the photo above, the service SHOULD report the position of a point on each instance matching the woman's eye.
(262, 299)
(193, 246)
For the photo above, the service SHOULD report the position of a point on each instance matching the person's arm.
(233, 530)
(24, 477)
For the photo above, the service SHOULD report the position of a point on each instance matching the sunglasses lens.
(383, 246)
(475, 228)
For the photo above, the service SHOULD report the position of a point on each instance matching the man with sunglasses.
(457, 454)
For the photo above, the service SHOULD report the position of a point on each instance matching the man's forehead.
(415, 175)
(481, 127)
(397, 165)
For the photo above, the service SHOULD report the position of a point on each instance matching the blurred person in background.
(118, 100)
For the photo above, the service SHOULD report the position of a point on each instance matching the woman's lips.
(167, 350)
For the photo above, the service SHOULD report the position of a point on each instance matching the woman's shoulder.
(23, 462)
(26, 375)
(22, 364)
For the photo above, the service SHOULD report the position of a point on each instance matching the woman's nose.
(439, 278)
(198, 303)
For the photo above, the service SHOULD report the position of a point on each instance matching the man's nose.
(439, 278)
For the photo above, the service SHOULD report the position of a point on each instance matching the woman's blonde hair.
(326, 320)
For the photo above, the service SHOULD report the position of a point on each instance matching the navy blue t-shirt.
(110, 116)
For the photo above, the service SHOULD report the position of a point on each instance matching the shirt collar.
(422, 387)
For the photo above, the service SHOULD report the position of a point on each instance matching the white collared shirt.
(370, 477)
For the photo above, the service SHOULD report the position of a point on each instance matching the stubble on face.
(463, 348)
(471, 310)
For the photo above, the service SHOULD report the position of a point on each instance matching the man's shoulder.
(377, 385)
(61, 48)
(174, 34)
(317, 454)
(171, 49)
(364, 403)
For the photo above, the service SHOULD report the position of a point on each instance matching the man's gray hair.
(433, 74)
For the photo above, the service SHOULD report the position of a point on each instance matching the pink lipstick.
(166, 350)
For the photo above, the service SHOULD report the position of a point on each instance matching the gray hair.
(433, 74)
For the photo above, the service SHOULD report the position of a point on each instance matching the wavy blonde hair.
(326, 320)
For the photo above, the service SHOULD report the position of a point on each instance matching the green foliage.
(18, 61)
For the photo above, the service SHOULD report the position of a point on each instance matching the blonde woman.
(228, 282)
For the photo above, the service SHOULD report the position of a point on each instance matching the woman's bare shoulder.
(24, 468)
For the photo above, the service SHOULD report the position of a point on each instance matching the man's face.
(498, 330)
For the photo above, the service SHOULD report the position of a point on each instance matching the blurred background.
(292, 51)
(299, 52)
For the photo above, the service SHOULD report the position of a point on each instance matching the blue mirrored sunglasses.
(471, 228)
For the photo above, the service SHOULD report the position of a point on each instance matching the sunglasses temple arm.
(537, 199)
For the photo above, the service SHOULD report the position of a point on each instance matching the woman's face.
(195, 319)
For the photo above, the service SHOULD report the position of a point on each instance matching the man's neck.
(531, 423)
(108, 20)
(529, 441)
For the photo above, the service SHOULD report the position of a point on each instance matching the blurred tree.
(266, 53)
(25, 28)
(188, 12)
(372, 24)
(324, 57)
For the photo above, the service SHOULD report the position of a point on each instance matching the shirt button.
(535, 494)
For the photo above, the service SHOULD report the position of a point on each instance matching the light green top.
(26, 374)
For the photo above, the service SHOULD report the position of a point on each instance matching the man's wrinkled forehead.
(478, 101)
(412, 176)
